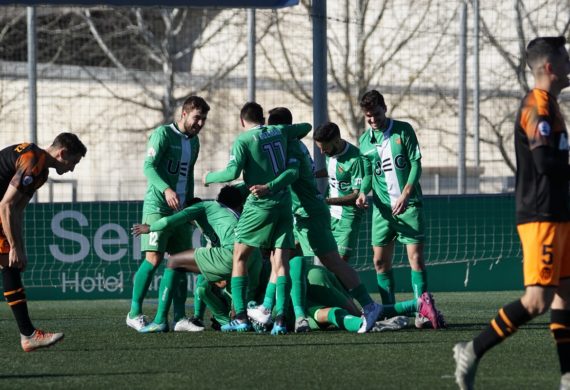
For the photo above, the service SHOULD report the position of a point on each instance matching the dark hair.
(192, 201)
(326, 132)
(280, 116)
(195, 102)
(230, 197)
(372, 99)
(543, 47)
(71, 143)
(252, 112)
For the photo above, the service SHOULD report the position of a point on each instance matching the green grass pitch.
(99, 351)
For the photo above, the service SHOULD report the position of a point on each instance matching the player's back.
(306, 198)
(539, 123)
(223, 220)
(23, 166)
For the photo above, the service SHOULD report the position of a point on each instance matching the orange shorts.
(546, 252)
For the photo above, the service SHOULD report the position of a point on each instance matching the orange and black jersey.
(24, 167)
(541, 146)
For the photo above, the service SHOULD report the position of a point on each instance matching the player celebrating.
(393, 160)
(214, 263)
(260, 152)
(542, 215)
(345, 170)
(312, 229)
(23, 169)
(169, 168)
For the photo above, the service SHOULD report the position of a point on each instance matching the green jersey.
(391, 155)
(222, 219)
(345, 171)
(261, 153)
(169, 163)
(306, 199)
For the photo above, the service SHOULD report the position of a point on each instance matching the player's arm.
(414, 158)
(232, 170)
(12, 208)
(297, 131)
(187, 215)
(366, 185)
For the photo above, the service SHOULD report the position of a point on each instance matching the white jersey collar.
(174, 128)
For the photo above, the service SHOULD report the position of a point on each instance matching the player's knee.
(382, 265)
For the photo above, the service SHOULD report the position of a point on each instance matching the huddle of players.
(283, 206)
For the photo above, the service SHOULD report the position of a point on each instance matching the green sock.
(386, 287)
(168, 284)
(217, 306)
(239, 289)
(343, 320)
(269, 299)
(405, 308)
(298, 285)
(361, 295)
(199, 306)
(282, 291)
(180, 292)
(141, 283)
(419, 282)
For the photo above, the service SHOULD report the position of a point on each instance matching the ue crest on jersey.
(544, 128)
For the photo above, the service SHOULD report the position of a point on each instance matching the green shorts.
(170, 240)
(216, 265)
(408, 227)
(266, 228)
(314, 235)
(345, 232)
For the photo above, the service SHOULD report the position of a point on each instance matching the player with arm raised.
(23, 169)
(260, 152)
(312, 228)
(542, 215)
(169, 168)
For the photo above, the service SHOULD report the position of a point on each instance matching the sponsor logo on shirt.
(151, 152)
(544, 128)
(27, 180)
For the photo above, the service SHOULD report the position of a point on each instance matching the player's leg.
(282, 289)
(298, 275)
(410, 227)
(214, 300)
(542, 258)
(339, 317)
(560, 311)
(15, 295)
(383, 236)
(154, 246)
(239, 283)
(262, 313)
(180, 242)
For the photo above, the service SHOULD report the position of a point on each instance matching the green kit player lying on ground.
(214, 263)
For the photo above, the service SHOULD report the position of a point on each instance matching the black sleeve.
(547, 163)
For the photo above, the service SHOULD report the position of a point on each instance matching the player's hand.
(17, 259)
(400, 205)
(139, 229)
(204, 178)
(259, 190)
(172, 199)
(361, 201)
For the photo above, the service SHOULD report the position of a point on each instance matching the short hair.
(71, 143)
(372, 99)
(231, 197)
(326, 132)
(252, 112)
(195, 102)
(280, 116)
(543, 48)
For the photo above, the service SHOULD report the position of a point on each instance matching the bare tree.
(165, 40)
(364, 51)
(514, 73)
